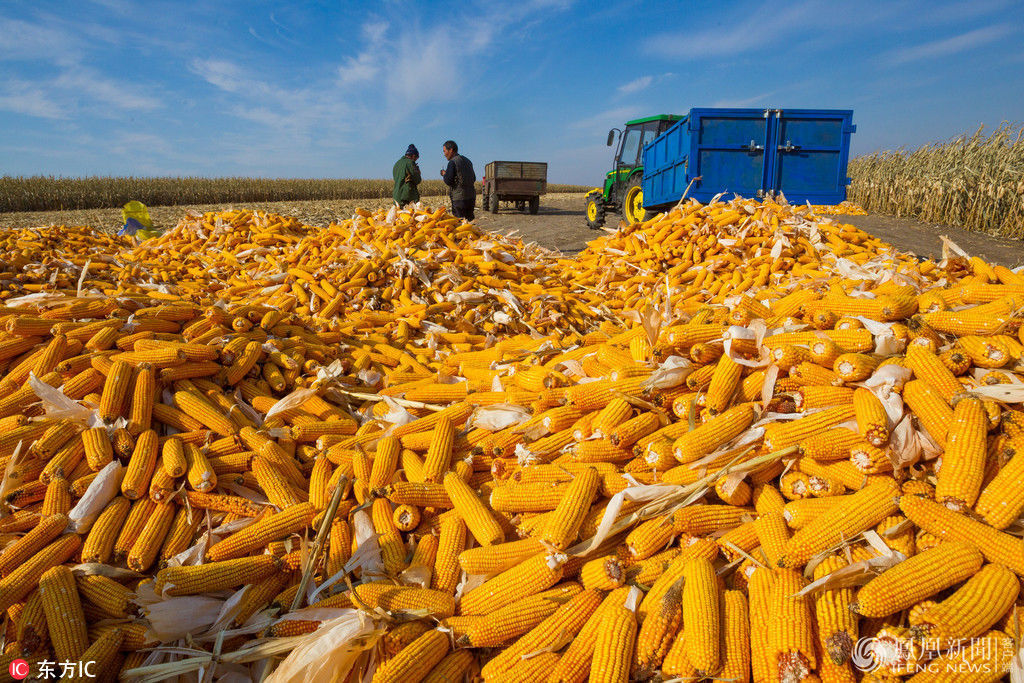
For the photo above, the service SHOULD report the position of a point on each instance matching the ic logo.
(19, 669)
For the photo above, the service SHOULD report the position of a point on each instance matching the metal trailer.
(799, 153)
(522, 182)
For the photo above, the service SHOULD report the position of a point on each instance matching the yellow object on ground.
(138, 211)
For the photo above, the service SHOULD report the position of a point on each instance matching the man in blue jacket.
(460, 179)
(407, 177)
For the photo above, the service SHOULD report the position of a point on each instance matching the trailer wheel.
(595, 210)
(494, 202)
(534, 205)
(484, 200)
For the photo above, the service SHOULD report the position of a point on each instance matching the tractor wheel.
(494, 202)
(595, 211)
(534, 205)
(484, 199)
(633, 203)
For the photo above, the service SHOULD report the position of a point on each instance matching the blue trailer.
(763, 153)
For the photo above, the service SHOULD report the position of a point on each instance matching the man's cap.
(412, 151)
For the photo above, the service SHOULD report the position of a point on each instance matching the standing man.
(407, 178)
(460, 178)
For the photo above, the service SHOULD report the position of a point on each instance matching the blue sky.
(338, 89)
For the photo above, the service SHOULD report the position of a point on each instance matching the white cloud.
(221, 73)
(29, 99)
(429, 74)
(62, 85)
(54, 39)
(642, 83)
(120, 6)
(375, 30)
(402, 64)
(73, 91)
(739, 103)
(764, 27)
(533, 5)
(257, 36)
(105, 91)
(958, 13)
(298, 116)
(400, 68)
(949, 46)
(607, 119)
(130, 143)
(273, 20)
(635, 85)
(359, 69)
(23, 40)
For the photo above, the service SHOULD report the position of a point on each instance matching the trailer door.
(809, 152)
(728, 151)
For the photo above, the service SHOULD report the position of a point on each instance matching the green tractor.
(622, 191)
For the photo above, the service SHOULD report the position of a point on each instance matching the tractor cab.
(622, 190)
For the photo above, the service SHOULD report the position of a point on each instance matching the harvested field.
(47, 193)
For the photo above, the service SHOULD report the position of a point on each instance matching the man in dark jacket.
(407, 178)
(460, 179)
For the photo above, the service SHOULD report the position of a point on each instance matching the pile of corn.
(372, 269)
(846, 208)
(730, 442)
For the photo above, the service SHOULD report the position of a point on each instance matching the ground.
(559, 225)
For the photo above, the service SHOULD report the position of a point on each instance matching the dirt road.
(559, 225)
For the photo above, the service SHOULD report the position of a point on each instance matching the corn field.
(973, 181)
(51, 193)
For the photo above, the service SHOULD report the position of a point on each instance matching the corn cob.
(917, 578)
(15, 554)
(151, 538)
(713, 433)
(567, 621)
(532, 576)
(22, 580)
(613, 648)
(562, 529)
(216, 575)
(702, 616)
(960, 478)
(64, 616)
(855, 513)
(497, 558)
(512, 621)
(405, 599)
(790, 629)
(948, 525)
(259, 533)
(141, 466)
(414, 662)
(479, 520)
